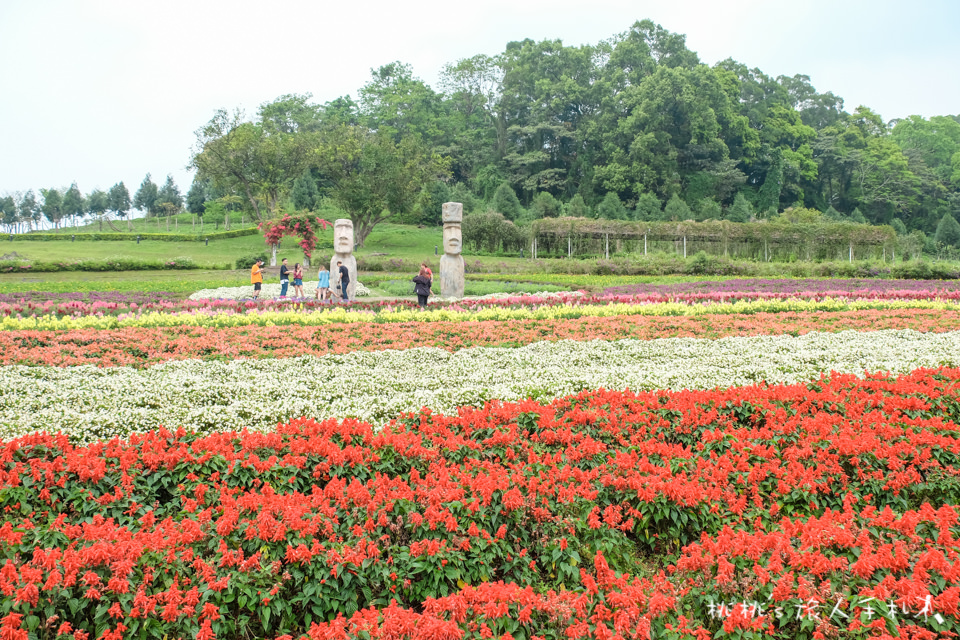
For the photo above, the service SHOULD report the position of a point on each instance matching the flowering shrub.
(302, 226)
(820, 509)
(140, 347)
(90, 402)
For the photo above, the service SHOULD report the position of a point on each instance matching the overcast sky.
(98, 91)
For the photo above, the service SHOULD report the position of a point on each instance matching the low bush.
(132, 237)
(110, 264)
(247, 262)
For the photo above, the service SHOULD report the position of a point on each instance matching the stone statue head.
(451, 212)
(452, 238)
(343, 235)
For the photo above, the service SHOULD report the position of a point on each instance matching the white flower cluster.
(93, 403)
(271, 290)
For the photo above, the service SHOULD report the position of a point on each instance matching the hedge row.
(113, 264)
(132, 237)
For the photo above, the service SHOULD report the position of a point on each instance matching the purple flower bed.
(787, 286)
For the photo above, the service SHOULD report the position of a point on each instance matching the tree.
(610, 208)
(676, 209)
(898, 226)
(97, 204)
(741, 210)
(119, 200)
(169, 199)
(52, 206)
(73, 203)
(709, 209)
(29, 209)
(544, 205)
(577, 208)
(505, 201)
(8, 211)
(372, 177)
(832, 214)
(430, 203)
(197, 196)
(857, 217)
(948, 231)
(304, 193)
(262, 159)
(146, 197)
(648, 207)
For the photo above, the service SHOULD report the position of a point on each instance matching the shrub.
(247, 262)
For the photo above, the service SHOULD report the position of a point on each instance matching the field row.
(819, 510)
(139, 347)
(95, 402)
(501, 310)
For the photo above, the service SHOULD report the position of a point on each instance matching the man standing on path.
(284, 278)
(344, 281)
(256, 278)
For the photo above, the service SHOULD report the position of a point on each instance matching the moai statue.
(343, 252)
(452, 280)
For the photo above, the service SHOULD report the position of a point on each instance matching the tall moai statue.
(452, 279)
(343, 252)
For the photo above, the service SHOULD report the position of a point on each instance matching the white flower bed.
(269, 290)
(91, 402)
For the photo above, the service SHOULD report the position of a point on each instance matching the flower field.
(729, 460)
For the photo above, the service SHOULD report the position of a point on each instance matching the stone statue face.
(452, 239)
(343, 236)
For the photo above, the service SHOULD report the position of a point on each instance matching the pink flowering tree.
(302, 225)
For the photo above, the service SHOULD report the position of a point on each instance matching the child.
(323, 284)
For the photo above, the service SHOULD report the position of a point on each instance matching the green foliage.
(491, 232)
(304, 194)
(611, 208)
(505, 201)
(115, 264)
(648, 207)
(833, 214)
(857, 217)
(460, 193)
(576, 208)
(73, 202)
(246, 262)
(545, 206)
(146, 196)
(119, 199)
(676, 209)
(430, 204)
(948, 231)
(709, 210)
(131, 237)
(372, 177)
(741, 210)
(898, 226)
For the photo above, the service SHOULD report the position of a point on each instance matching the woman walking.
(422, 284)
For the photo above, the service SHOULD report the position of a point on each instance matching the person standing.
(343, 281)
(284, 278)
(323, 284)
(256, 278)
(298, 281)
(421, 286)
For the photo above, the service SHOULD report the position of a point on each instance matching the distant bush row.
(112, 264)
(710, 265)
(132, 237)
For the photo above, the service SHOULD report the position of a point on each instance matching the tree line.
(635, 127)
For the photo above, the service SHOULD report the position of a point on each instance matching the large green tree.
(146, 197)
(372, 177)
(74, 205)
(261, 160)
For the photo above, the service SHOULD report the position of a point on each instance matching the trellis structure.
(582, 237)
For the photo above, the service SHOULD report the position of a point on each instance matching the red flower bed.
(818, 510)
(140, 346)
